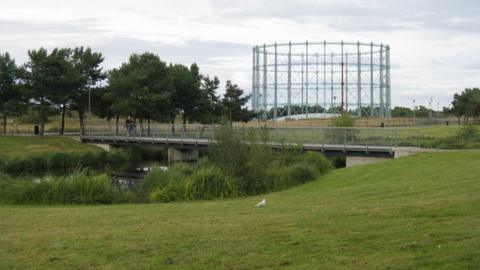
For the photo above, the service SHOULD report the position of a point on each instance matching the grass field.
(25, 146)
(438, 131)
(420, 212)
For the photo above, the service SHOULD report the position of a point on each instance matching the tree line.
(466, 105)
(145, 87)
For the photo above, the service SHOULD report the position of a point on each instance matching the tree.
(87, 66)
(467, 105)
(137, 88)
(402, 112)
(209, 105)
(11, 102)
(39, 81)
(184, 85)
(64, 78)
(233, 103)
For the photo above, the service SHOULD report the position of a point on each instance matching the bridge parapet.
(389, 137)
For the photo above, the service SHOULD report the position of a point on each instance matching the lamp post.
(414, 112)
(334, 103)
(89, 82)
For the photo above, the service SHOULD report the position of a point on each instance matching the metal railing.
(391, 137)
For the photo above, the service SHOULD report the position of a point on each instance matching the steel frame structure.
(321, 77)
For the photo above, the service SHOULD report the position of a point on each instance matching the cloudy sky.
(435, 43)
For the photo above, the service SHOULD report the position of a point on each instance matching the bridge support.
(105, 147)
(182, 155)
(354, 161)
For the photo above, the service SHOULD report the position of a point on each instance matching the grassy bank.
(27, 146)
(40, 155)
(420, 212)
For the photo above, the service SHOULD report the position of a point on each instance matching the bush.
(243, 155)
(294, 174)
(210, 183)
(318, 161)
(344, 120)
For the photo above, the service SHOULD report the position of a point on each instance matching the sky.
(435, 44)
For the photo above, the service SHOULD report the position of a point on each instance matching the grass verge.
(420, 212)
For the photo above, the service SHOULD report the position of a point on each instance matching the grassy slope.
(24, 146)
(421, 212)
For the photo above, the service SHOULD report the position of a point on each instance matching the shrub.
(344, 120)
(296, 173)
(243, 155)
(317, 161)
(158, 178)
(209, 183)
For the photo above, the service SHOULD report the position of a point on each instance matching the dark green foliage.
(467, 105)
(402, 112)
(233, 103)
(185, 85)
(78, 188)
(12, 102)
(296, 173)
(318, 161)
(87, 64)
(209, 107)
(243, 161)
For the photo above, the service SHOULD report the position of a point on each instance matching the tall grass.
(41, 163)
(77, 188)
(467, 137)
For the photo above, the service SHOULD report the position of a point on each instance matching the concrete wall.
(354, 161)
(105, 147)
(182, 155)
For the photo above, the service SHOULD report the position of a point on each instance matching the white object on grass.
(262, 203)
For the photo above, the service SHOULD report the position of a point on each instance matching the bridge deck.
(198, 143)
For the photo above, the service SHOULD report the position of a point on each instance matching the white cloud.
(434, 42)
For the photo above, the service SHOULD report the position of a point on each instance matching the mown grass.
(27, 146)
(420, 212)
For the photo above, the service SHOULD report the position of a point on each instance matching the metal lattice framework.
(322, 77)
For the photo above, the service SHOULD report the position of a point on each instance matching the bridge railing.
(305, 135)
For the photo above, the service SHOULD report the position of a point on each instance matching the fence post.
(418, 137)
(391, 139)
(368, 138)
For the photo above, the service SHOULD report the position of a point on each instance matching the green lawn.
(420, 212)
(438, 130)
(24, 146)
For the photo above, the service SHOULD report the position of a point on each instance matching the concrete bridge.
(358, 145)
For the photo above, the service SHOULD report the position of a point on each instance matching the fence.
(305, 135)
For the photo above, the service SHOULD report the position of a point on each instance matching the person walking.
(128, 125)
